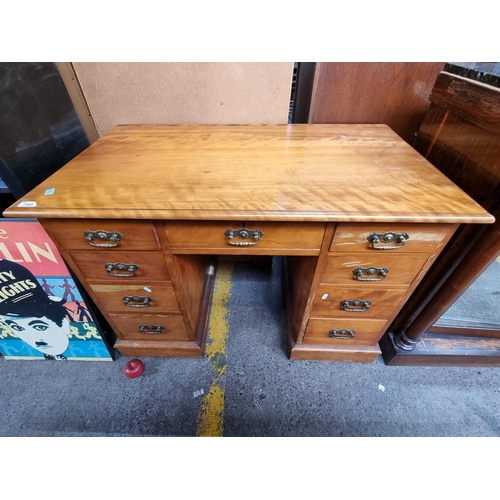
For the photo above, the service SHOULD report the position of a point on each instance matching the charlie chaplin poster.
(42, 314)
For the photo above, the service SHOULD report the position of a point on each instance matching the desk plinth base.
(443, 350)
(357, 354)
(130, 348)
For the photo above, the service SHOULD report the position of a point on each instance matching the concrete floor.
(266, 394)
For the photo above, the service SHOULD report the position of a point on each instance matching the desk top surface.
(293, 172)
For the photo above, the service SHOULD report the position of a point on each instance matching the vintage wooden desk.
(359, 215)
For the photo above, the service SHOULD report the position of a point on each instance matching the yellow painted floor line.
(211, 415)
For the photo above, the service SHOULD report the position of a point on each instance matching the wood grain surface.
(401, 270)
(366, 332)
(150, 265)
(209, 237)
(70, 234)
(159, 349)
(293, 172)
(173, 327)
(478, 103)
(394, 93)
(329, 297)
(421, 238)
(347, 353)
(161, 295)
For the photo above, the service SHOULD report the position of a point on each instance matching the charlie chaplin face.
(40, 333)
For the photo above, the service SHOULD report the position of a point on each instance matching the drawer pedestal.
(357, 288)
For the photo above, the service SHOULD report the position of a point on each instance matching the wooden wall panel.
(170, 93)
(396, 94)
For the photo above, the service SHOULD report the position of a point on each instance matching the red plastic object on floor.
(133, 368)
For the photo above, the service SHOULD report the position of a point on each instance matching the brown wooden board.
(395, 93)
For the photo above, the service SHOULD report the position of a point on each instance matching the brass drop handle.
(359, 272)
(355, 305)
(136, 300)
(129, 269)
(376, 238)
(113, 237)
(151, 329)
(342, 334)
(243, 234)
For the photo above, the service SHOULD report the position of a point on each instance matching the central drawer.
(235, 237)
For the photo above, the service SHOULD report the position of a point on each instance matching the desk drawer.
(329, 302)
(161, 327)
(374, 269)
(343, 331)
(136, 299)
(261, 237)
(122, 266)
(102, 235)
(420, 237)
